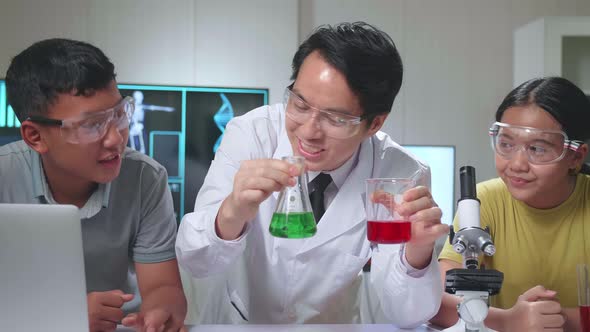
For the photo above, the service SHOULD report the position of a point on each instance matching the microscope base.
(460, 327)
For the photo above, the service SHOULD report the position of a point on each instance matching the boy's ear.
(33, 136)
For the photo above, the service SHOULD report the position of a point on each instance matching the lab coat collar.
(283, 149)
(284, 145)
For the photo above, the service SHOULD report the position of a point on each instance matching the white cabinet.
(553, 46)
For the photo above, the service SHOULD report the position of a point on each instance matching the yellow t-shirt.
(533, 246)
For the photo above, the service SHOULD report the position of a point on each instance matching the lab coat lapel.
(283, 149)
(347, 209)
(283, 146)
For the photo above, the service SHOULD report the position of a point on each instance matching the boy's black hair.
(51, 67)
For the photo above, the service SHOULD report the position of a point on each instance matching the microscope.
(473, 284)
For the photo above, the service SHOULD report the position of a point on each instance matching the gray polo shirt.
(130, 219)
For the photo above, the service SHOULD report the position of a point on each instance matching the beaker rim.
(296, 158)
(390, 180)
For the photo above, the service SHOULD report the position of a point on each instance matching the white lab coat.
(314, 280)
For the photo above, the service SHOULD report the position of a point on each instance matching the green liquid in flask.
(295, 225)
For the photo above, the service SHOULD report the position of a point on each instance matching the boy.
(74, 128)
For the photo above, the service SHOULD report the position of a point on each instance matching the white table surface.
(300, 328)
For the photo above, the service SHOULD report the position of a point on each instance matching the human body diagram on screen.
(136, 132)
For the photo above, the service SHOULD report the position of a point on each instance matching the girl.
(538, 210)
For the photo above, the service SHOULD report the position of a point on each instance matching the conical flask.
(293, 217)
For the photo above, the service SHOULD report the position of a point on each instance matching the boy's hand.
(104, 309)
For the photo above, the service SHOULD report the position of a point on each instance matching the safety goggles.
(540, 145)
(333, 124)
(91, 127)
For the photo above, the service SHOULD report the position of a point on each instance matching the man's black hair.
(365, 55)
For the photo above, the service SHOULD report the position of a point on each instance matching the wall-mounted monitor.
(441, 160)
(9, 124)
(182, 126)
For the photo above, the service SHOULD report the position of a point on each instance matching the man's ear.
(33, 136)
(376, 124)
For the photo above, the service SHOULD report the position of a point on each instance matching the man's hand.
(537, 309)
(419, 207)
(104, 309)
(155, 320)
(254, 182)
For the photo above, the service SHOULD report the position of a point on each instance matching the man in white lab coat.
(345, 79)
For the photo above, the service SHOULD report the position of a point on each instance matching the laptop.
(42, 280)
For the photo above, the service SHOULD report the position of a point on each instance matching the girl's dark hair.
(558, 97)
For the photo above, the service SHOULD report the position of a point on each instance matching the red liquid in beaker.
(389, 232)
(585, 318)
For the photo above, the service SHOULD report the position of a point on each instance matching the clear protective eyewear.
(91, 127)
(333, 124)
(541, 146)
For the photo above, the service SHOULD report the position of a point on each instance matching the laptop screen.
(42, 281)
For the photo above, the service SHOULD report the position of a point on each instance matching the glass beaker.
(384, 224)
(583, 296)
(293, 217)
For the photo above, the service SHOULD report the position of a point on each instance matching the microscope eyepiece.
(467, 180)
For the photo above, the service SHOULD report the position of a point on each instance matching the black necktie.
(316, 194)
